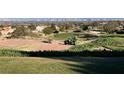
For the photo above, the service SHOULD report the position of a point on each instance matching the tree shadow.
(95, 65)
(88, 62)
(116, 36)
(86, 53)
(95, 62)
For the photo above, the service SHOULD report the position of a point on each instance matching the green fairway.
(113, 42)
(63, 36)
(32, 65)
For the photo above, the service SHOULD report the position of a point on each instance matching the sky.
(59, 19)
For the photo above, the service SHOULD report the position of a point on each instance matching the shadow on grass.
(115, 36)
(95, 65)
(102, 62)
(103, 53)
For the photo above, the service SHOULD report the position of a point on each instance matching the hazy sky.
(58, 19)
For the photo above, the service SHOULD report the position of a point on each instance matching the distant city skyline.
(58, 19)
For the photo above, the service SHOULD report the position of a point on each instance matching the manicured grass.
(21, 48)
(32, 65)
(112, 42)
(26, 47)
(63, 36)
(81, 35)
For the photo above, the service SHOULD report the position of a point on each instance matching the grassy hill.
(71, 65)
(113, 42)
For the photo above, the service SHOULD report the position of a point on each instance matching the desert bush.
(49, 30)
(19, 32)
(22, 32)
(0, 34)
(84, 27)
(120, 32)
(32, 27)
(89, 36)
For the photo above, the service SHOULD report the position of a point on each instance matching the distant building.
(57, 28)
(40, 28)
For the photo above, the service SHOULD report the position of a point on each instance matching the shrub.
(85, 53)
(12, 53)
(49, 30)
(120, 32)
(0, 34)
(84, 27)
(19, 32)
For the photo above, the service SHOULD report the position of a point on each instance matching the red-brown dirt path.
(32, 45)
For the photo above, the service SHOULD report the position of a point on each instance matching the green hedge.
(12, 53)
(16, 53)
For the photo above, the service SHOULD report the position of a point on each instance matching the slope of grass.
(63, 36)
(21, 48)
(115, 43)
(32, 65)
(26, 65)
(25, 47)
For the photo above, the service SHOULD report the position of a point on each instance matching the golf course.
(95, 47)
(68, 62)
